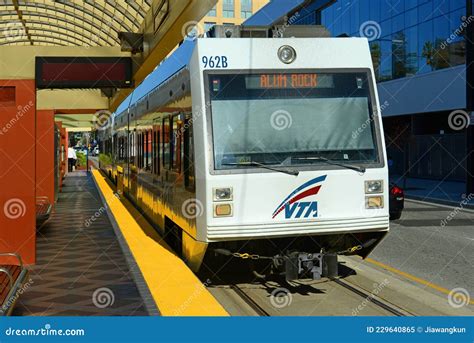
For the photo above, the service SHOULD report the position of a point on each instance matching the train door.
(156, 170)
(133, 161)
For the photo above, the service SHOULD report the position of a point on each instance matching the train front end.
(290, 151)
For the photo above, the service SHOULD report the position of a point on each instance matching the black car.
(397, 201)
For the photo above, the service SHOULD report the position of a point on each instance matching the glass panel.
(410, 4)
(291, 119)
(411, 17)
(411, 36)
(399, 55)
(386, 61)
(212, 12)
(375, 10)
(425, 47)
(425, 12)
(441, 33)
(228, 9)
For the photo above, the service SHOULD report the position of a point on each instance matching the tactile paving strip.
(80, 268)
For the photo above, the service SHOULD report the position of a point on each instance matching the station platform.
(81, 269)
(96, 256)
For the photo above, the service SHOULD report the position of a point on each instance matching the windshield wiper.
(335, 163)
(261, 165)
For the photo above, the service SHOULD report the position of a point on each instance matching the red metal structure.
(17, 169)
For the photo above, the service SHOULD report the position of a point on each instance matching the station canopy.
(87, 23)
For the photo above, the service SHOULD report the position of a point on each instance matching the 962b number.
(215, 62)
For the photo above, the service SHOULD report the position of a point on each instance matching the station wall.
(17, 168)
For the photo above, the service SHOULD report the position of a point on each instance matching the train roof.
(178, 60)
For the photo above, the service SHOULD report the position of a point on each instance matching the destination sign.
(288, 81)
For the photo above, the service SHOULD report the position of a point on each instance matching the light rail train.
(246, 145)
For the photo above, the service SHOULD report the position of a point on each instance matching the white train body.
(293, 149)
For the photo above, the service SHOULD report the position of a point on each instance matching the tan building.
(231, 12)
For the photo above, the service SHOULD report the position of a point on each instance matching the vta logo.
(294, 207)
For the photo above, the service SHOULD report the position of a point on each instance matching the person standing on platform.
(72, 158)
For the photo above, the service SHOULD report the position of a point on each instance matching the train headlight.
(223, 194)
(287, 54)
(222, 210)
(375, 202)
(373, 186)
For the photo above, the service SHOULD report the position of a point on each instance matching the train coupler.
(295, 265)
(318, 265)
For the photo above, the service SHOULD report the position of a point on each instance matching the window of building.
(208, 25)
(212, 12)
(411, 36)
(245, 9)
(228, 9)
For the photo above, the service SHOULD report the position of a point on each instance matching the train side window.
(142, 149)
(189, 171)
(132, 148)
(166, 133)
(148, 150)
(176, 140)
(122, 148)
(136, 141)
(156, 150)
(139, 148)
(142, 162)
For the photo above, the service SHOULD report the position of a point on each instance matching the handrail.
(12, 254)
(10, 276)
(43, 200)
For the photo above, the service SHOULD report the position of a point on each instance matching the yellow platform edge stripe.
(175, 288)
(412, 277)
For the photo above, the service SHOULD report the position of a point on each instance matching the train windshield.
(292, 119)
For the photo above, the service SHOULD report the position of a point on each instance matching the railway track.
(372, 298)
(262, 308)
(249, 301)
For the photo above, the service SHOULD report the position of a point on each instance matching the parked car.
(397, 201)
